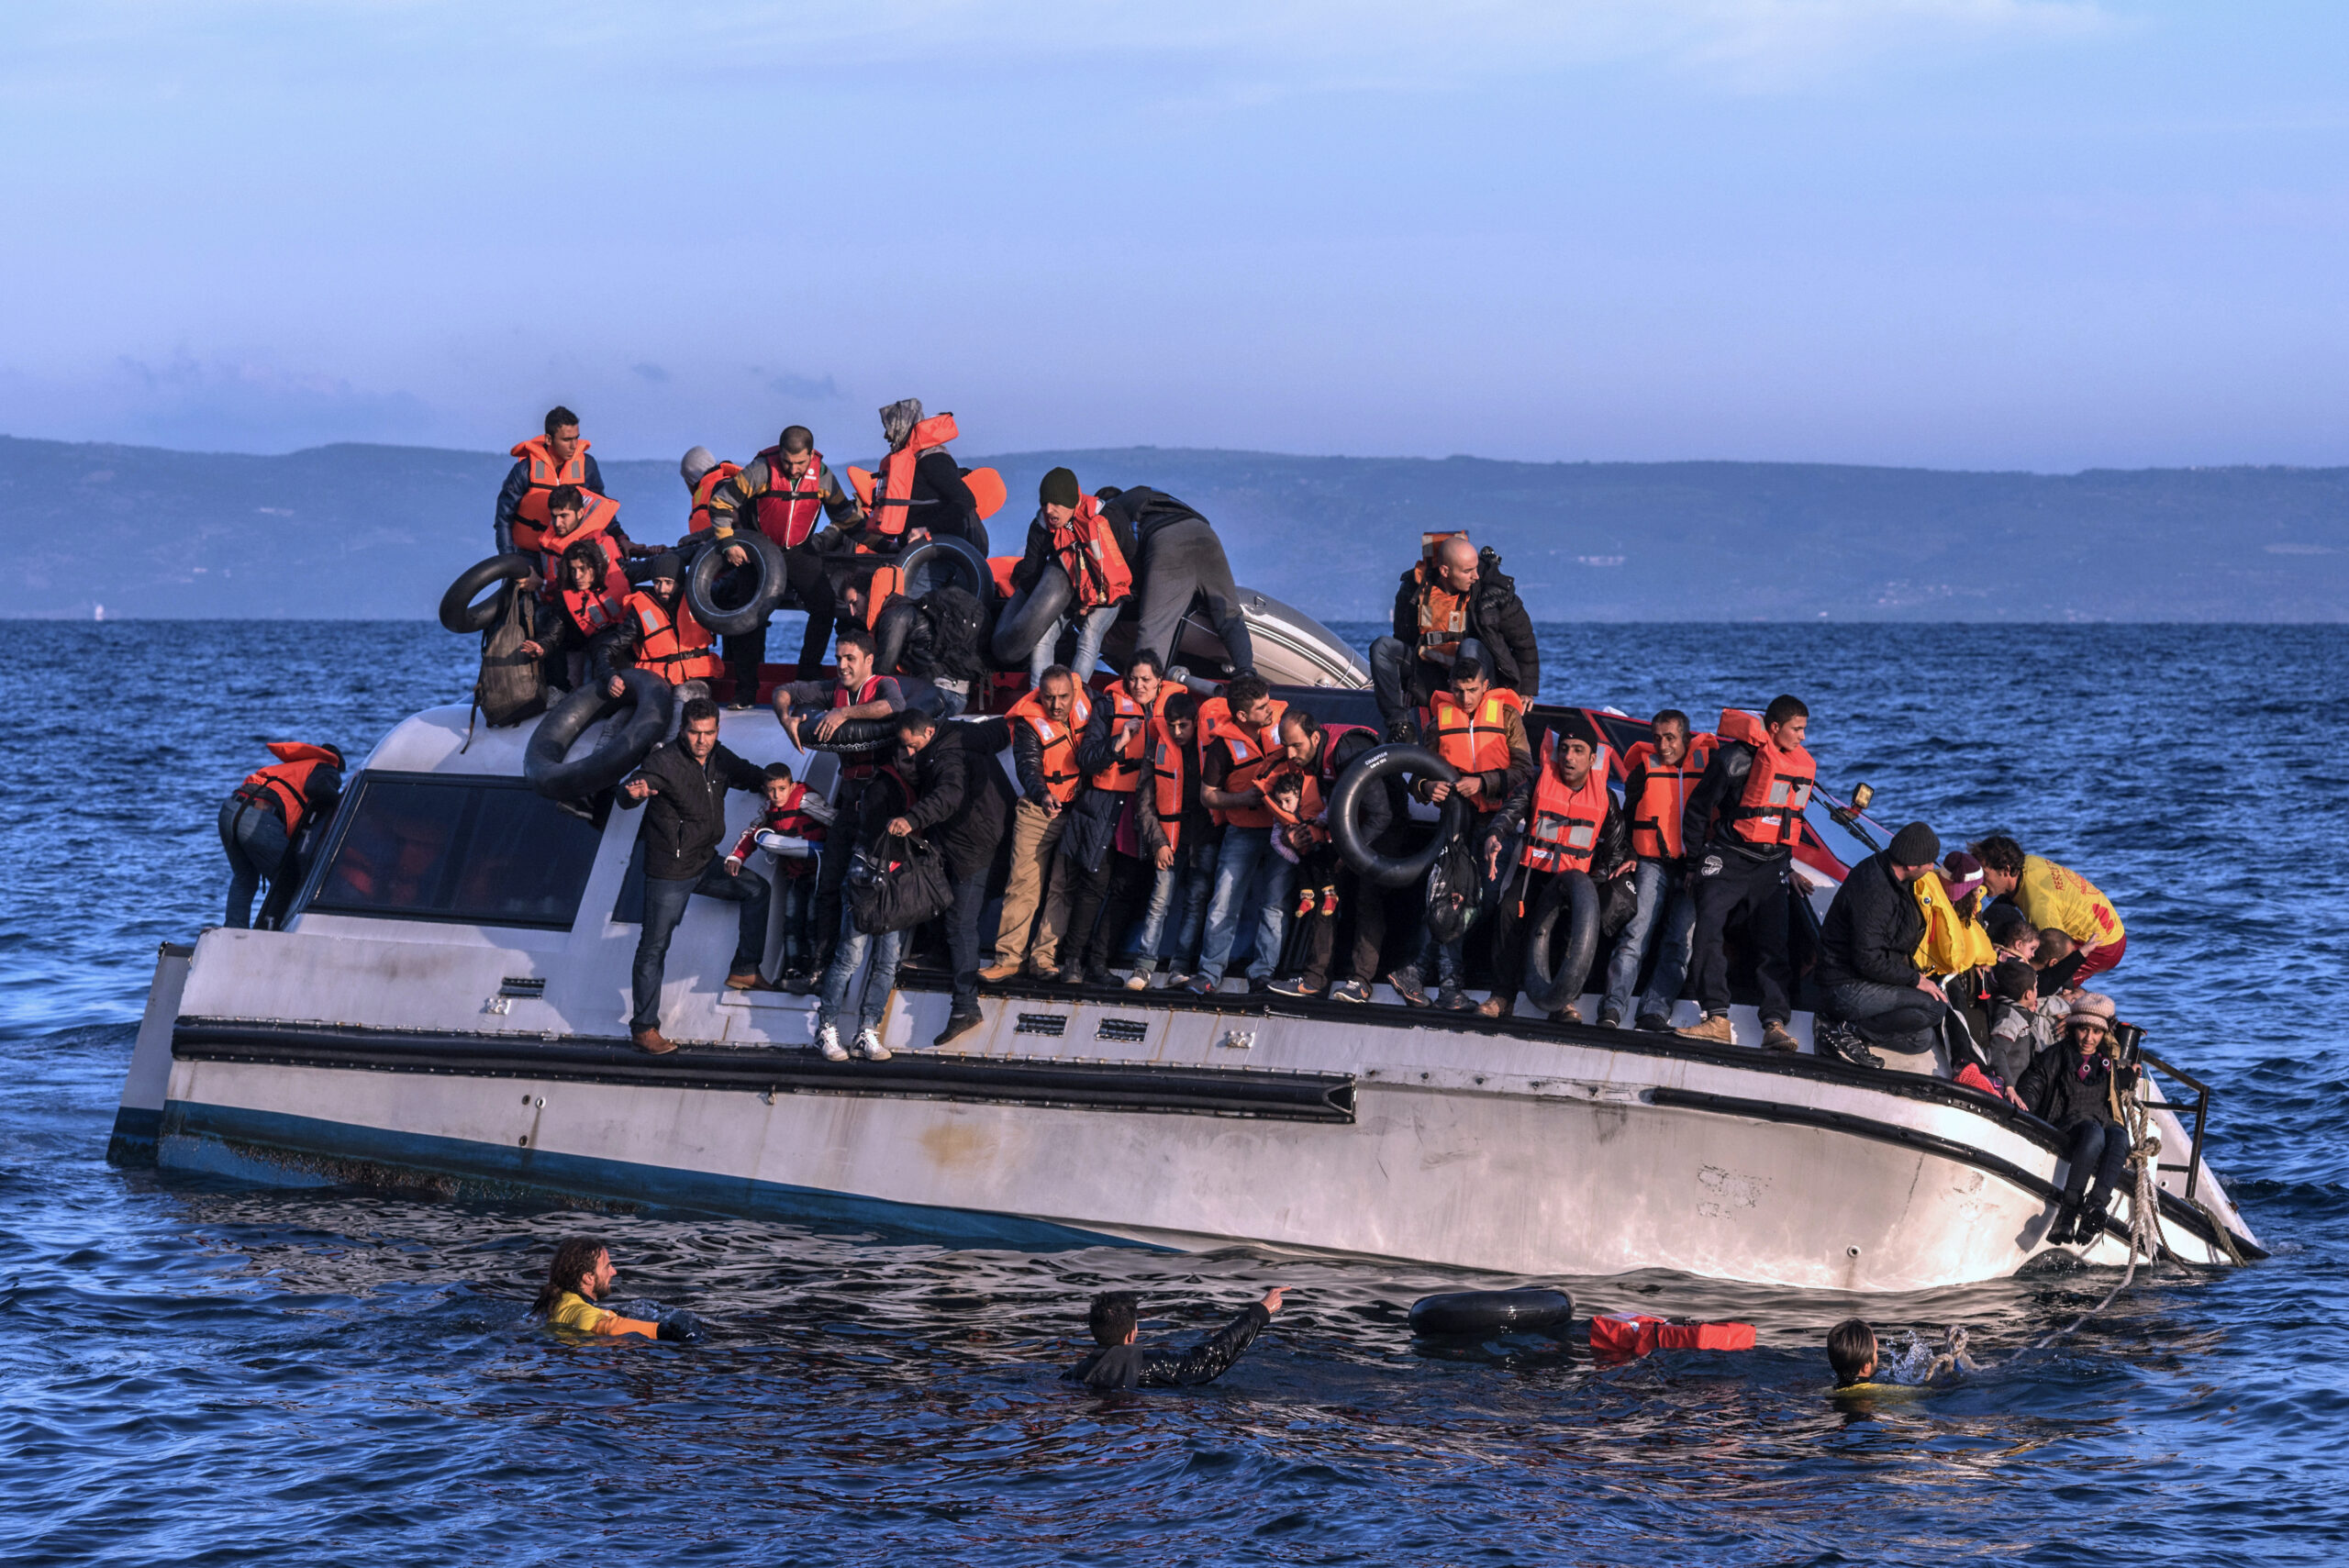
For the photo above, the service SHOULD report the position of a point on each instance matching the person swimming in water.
(580, 1274)
(1121, 1363)
(1852, 1351)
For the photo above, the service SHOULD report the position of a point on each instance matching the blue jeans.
(963, 939)
(1665, 906)
(1179, 894)
(664, 905)
(846, 957)
(1092, 627)
(1249, 880)
(795, 906)
(255, 839)
(1402, 681)
(1439, 962)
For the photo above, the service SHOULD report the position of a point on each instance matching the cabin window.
(468, 852)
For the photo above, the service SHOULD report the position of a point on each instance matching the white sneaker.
(1138, 981)
(827, 1040)
(869, 1046)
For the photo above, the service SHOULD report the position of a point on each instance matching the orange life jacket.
(1253, 753)
(790, 514)
(865, 766)
(1058, 741)
(676, 648)
(595, 524)
(1444, 615)
(887, 583)
(1769, 811)
(1000, 568)
(1308, 814)
(287, 781)
(1088, 552)
(1125, 771)
(1662, 795)
(888, 497)
(1637, 1333)
(1166, 763)
(597, 610)
(698, 520)
(1472, 743)
(1562, 833)
(543, 478)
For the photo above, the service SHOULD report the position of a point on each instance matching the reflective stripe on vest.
(1058, 740)
(1662, 797)
(1253, 753)
(678, 649)
(1166, 763)
(788, 510)
(592, 611)
(1769, 809)
(541, 478)
(1473, 743)
(595, 526)
(1125, 771)
(1444, 619)
(1088, 552)
(1562, 831)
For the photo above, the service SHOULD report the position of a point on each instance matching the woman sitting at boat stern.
(2078, 1086)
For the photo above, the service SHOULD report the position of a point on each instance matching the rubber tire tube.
(889, 634)
(1571, 894)
(943, 558)
(1030, 614)
(460, 613)
(544, 764)
(701, 581)
(1481, 1312)
(854, 737)
(1364, 772)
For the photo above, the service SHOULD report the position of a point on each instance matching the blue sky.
(2045, 234)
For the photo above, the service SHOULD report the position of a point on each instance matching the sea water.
(198, 1373)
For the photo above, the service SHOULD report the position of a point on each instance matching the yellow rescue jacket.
(1950, 945)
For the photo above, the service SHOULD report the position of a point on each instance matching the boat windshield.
(474, 851)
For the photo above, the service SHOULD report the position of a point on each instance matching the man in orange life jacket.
(1251, 881)
(1480, 729)
(1321, 755)
(787, 493)
(1095, 550)
(861, 691)
(664, 637)
(1571, 827)
(1660, 775)
(1044, 727)
(1456, 599)
(262, 821)
(1108, 877)
(1180, 842)
(935, 501)
(588, 615)
(1746, 812)
(540, 465)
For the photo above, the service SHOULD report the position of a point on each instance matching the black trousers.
(963, 939)
(1737, 888)
(1102, 906)
(1363, 903)
(811, 590)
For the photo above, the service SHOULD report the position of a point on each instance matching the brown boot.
(652, 1043)
(1777, 1035)
(997, 974)
(1569, 1014)
(1714, 1029)
(746, 981)
(1497, 1007)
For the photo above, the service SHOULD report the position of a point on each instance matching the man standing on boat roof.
(541, 465)
(789, 490)
(1747, 813)
(1455, 597)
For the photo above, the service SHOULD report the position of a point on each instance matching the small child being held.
(1303, 840)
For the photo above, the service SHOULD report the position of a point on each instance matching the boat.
(444, 1011)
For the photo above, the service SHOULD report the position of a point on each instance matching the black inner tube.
(1492, 1312)
(769, 582)
(944, 559)
(1364, 772)
(1570, 895)
(460, 613)
(1030, 614)
(890, 630)
(860, 735)
(546, 763)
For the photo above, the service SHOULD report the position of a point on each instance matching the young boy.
(1303, 840)
(2018, 1031)
(791, 828)
(1851, 1351)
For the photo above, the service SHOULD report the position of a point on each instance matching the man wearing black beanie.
(1867, 952)
(1070, 541)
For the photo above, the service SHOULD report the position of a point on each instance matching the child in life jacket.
(1304, 841)
(790, 828)
(1853, 1352)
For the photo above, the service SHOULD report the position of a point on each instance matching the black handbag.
(915, 890)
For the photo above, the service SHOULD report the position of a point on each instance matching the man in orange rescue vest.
(1747, 813)
(540, 465)
(1252, 882)
(1454, 599)
(1659, 775)
(1045, 725)
(1570, 826)
(1095, 550)
(668, 640)
(262, 821)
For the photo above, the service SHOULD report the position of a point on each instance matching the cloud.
(788, 385)
(651, 372)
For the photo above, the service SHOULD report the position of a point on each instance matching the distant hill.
(377, 532)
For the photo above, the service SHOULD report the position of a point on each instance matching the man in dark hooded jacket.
(1455, 596)
(1867, 946)
(962, 804)
(1121, 1363)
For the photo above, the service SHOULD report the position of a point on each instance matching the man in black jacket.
(1180, 560)
(1739, 879)
(1120, 1363)
(1381, 811)
(1455, 596)
(2074, 1085)
(1867, 952)
(686, 780)
(962, 804)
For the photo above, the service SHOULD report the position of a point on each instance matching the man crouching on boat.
(686, 780)
(1122, 1363)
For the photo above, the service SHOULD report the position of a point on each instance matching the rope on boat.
(2144, 1214)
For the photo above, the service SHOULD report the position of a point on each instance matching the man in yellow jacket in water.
(2055, 897)
(580, 1274)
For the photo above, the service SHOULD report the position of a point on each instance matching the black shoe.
(1610, 1020)
(1652, 1023)
(1452, 999)
(1293, 986)
(957, 1026)
(1840, 1040)
(1406, 985)
(1350, 991)
(1257, 987)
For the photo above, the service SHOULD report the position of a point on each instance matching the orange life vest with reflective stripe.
(1253, 753)
(1125, 771)
(1167, 762)
(703, 488)
(543, 477)
(1472, 743)
(1088, 552)
(1769, 810)
(888, 497)
(287, 781)
(1444, 615)
(1662, 795)
(595, 524)
(597, 610)
(791, 508)
(887, 583)
(676, 648)
(1561, 832)
(1058, 741)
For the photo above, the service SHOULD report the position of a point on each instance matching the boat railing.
(2201, 1107)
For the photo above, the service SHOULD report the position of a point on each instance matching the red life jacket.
(1769, 811)
(1662, 795)
(1123, 774)
(543, 479)
(676, 648)
(888, 499)
(598, 609)
(703, 488)
(1562, 833)
(1443, 614)
(1000, 568)
(856, 767)
(1061, 777)
(791, 508)
(887, 583)
(1088, 552)
(1636, 1334)
(1254, 755)
(287, 781)
(1167, 762)
(595, 524)
(1472, 743)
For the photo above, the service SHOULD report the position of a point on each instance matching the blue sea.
(199, 1372)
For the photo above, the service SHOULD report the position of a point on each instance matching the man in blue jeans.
(686, 780)
(1659, 773)
(881, 826)
(1179, 840)
(1251, 881)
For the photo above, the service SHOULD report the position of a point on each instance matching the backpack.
(913, 892)
(962, 631)
(508, 690)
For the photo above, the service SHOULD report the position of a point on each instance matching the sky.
(2009, 234)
